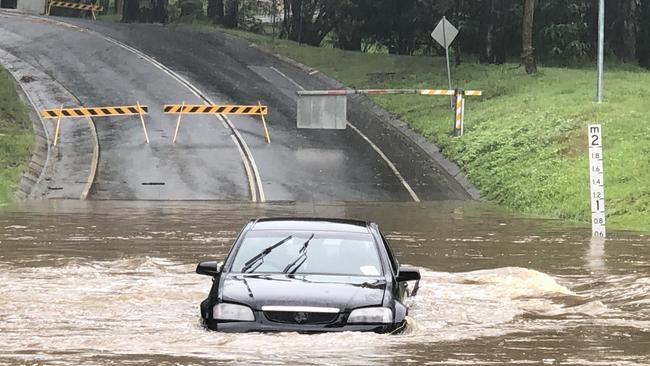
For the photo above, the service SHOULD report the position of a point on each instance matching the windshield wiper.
(257, 260)
(301, 258)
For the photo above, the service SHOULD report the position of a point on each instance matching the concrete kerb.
(35, 91)
(37, 164)
(94, 162)
(399, 126)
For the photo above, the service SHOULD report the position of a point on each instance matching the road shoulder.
(64, 171)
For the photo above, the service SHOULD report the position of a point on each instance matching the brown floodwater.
(99, 283)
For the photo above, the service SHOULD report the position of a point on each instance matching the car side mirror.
(408, 274)
(209, 268)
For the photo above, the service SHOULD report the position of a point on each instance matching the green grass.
(109, 17)
(15, 138)
(525, 143)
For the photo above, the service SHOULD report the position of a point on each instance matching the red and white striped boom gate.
(460, 95)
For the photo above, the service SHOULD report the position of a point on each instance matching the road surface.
(214, 158)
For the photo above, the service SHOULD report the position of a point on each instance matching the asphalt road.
(206, 163)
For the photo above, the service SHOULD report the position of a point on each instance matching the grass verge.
(525, 143)
(16, 138)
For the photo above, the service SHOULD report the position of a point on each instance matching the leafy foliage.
(565, 30)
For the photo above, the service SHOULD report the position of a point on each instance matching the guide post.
(597, 178)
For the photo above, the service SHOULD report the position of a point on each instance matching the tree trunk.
(528, 52)
(215, 11)
(131, 11)
(159, 11)
(119, 7)
(487, 27)
(629, 30)
(212, 8)
(231, 15)
(104, 4)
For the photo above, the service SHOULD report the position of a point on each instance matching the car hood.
(342, 292)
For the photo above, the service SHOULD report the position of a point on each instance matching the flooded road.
(113, 283)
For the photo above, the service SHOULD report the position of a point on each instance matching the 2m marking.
(597, 178)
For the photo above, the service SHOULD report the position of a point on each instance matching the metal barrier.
(79, 112)
(245, 110)
(317, 109)
(92, 8)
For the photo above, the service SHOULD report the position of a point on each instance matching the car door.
(400, 291)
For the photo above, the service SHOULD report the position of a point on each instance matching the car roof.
(311, 224)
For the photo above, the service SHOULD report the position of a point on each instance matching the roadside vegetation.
(525, 143)
(15, 138)
(525, 139)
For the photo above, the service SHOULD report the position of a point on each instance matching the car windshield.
(325, 253)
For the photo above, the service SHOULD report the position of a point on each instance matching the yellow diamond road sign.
(445, 33)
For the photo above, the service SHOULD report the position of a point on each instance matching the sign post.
(597, 178)
(444, 34)
(601, 48)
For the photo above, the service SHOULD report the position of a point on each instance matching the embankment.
(525, 145)
(15, 138)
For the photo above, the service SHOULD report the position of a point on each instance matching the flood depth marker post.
(597, 178)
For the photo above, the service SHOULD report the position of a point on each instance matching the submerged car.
(308, 276)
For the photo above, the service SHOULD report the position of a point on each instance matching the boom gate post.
(458, 116)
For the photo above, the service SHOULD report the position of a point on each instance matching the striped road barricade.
(241, 110)
(93, 112)
(92, 8)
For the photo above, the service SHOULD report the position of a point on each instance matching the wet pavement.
(206, 163)
(113, 283)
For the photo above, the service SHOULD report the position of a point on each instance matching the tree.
(309, 21)
(131, 11)
(152, 11)
(215, 11)
(493, 47)
(231, 13)
(119, 7)
(349, 28)
(629, 22)
(528, 52)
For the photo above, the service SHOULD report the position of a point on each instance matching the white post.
(597, 177)
(601, 49)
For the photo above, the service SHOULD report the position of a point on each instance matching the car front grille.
(291, 317)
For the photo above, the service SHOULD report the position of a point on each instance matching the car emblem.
(300, 317)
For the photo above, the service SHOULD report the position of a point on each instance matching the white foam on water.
(150, 306)
(455, 306)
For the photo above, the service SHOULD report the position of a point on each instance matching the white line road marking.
(256, 172)
(255, 176)
(390, 164)
(247, 167)
(239, 139)
(288, 78)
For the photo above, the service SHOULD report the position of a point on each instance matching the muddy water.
(113, 283)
